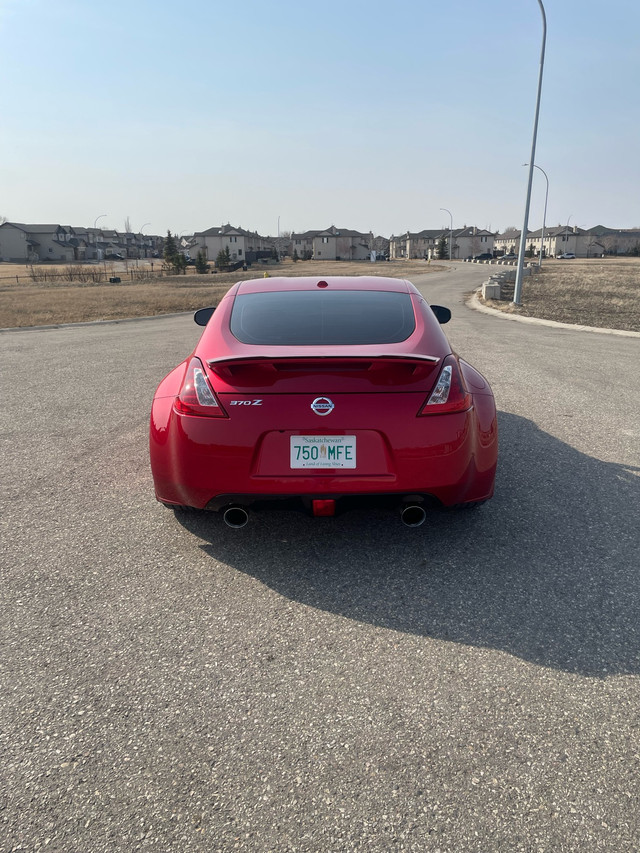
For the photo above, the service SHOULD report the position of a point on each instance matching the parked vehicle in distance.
(113, 256)
(484, 256)
(565, 256)
(509, 257)
(323, 395)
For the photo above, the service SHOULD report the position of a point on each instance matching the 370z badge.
(245, 403)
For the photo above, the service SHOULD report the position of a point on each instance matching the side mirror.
(203, 315)
(443, 315)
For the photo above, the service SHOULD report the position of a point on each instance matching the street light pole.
(95, 236)
(517, 293)
(451, 231)
(142, 235)
(544, 215)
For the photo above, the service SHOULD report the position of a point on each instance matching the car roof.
(334, 282)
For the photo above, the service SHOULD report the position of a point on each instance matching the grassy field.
(595, 292)
(601, 292)
(28, 303)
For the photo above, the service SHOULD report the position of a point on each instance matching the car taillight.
(449, 394)
(196, 396)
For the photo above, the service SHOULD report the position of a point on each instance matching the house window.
(319, 253)
(239, 252)
(325, 239)
(51, 250)
(233, 239)
(483, 239)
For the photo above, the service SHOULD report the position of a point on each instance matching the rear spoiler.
(234, 360)
(235, 366)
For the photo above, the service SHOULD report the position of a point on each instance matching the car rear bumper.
(206, 463)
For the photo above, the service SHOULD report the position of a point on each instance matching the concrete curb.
(95, 323)
(474, 302)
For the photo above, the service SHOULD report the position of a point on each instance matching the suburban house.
(28, 244)
(246, 246)
(507, 243)
(421, 244)
(21, 243)
(467, 242)
(342, 244)
(612, 241)
(333, 244)
(558, 240)
(302, 244)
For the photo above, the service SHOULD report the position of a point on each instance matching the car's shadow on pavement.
(547, 570)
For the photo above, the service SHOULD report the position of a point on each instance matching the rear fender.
(172, 382)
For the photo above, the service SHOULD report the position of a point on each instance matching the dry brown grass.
(38, 304)
(601, 292)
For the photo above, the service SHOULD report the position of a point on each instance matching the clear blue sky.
(365, 115)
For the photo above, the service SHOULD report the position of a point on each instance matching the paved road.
(320, 685)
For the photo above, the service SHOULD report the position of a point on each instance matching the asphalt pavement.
(305, 684)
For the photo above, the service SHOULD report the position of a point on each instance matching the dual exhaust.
(412, 515)
(235, 516)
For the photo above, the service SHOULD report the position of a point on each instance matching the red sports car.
(323, 394)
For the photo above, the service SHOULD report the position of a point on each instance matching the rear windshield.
(316, 318)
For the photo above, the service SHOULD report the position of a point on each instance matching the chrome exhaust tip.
(235, 516)
(413, 515)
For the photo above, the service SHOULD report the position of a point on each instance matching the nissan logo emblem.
(322, 406)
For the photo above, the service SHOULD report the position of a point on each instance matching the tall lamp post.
(451, 231)
(142, 227)
(517, 293)
(95, 222)
(544, 215)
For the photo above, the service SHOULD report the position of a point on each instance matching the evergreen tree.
(201, 263)
(223, 259)
(442, 248)
(295, 256)
(170, 250)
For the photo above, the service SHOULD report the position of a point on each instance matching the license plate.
(323, 451)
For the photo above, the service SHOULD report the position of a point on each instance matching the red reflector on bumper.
(324, 507)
